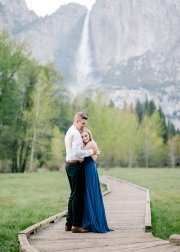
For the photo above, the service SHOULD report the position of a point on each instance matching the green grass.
(31, 197)
(164, 185)
(26, 199)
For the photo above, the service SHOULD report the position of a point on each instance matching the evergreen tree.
(139, 111)
(164, 125)
(176, 142)
(151, 107)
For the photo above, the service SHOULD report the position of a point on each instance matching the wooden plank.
(22, 236)
(126, 182)
(38, 226)
(76, 245)
(107, 186)
(128, 213)
(23, 239)
(175, 239)
(24, 244)
(148, 224)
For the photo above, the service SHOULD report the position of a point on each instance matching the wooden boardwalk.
(125, 209)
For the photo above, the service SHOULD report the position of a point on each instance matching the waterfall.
(84, 59)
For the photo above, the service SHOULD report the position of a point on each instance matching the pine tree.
(139, 110)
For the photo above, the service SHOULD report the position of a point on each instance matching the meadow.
(26, 199)
(31, 197)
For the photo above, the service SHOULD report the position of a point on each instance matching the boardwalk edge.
(174, 239)
(23, 235)
(24, 245)
(108, 188)
(147, 223)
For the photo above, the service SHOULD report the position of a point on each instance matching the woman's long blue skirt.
(94, 217)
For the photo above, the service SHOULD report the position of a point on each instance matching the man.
(75, 172)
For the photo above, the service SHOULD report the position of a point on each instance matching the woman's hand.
(92, 145)
(98, 152)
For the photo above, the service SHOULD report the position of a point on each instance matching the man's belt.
(74, 161)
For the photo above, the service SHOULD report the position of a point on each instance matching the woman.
(94, 217)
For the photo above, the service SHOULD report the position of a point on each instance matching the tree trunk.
(23, 167)
(21, 155)
(146, 147)
(172, 158)
(37, 107)
(14, 157)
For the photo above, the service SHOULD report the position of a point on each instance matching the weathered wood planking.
(128, 213)
(175, 239)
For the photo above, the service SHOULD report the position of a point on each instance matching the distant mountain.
(15, 15)
(138, 52)
(129, 48)
(56, 38)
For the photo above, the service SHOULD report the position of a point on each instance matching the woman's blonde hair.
(90, 135)
(89, 132)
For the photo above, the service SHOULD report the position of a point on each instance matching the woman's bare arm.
(91, 145)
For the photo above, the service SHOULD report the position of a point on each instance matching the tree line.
(133, 137)
(31, 96)
(35, 112)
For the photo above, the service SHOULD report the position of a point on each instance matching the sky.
(47, 7)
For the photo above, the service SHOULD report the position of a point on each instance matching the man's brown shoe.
(79, 230)
(67, 228)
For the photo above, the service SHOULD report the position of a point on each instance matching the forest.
(36, 110)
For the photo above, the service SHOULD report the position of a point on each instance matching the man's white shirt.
(74, 145)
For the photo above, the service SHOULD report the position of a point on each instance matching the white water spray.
(83, 61)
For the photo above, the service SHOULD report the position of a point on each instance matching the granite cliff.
(129, 48)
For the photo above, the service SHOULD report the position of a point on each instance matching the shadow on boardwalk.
(126, 209)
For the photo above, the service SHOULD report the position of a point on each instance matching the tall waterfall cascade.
(83, 61)
(84, 76)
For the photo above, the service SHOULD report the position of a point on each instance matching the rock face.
(56, 37)
(134, 45)
(136, 49)
(15, 15)
(144, 47)
(53, 38)
(134, 27)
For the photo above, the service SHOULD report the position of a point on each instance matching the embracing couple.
(86, 211)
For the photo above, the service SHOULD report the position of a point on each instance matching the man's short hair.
(80, 115)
